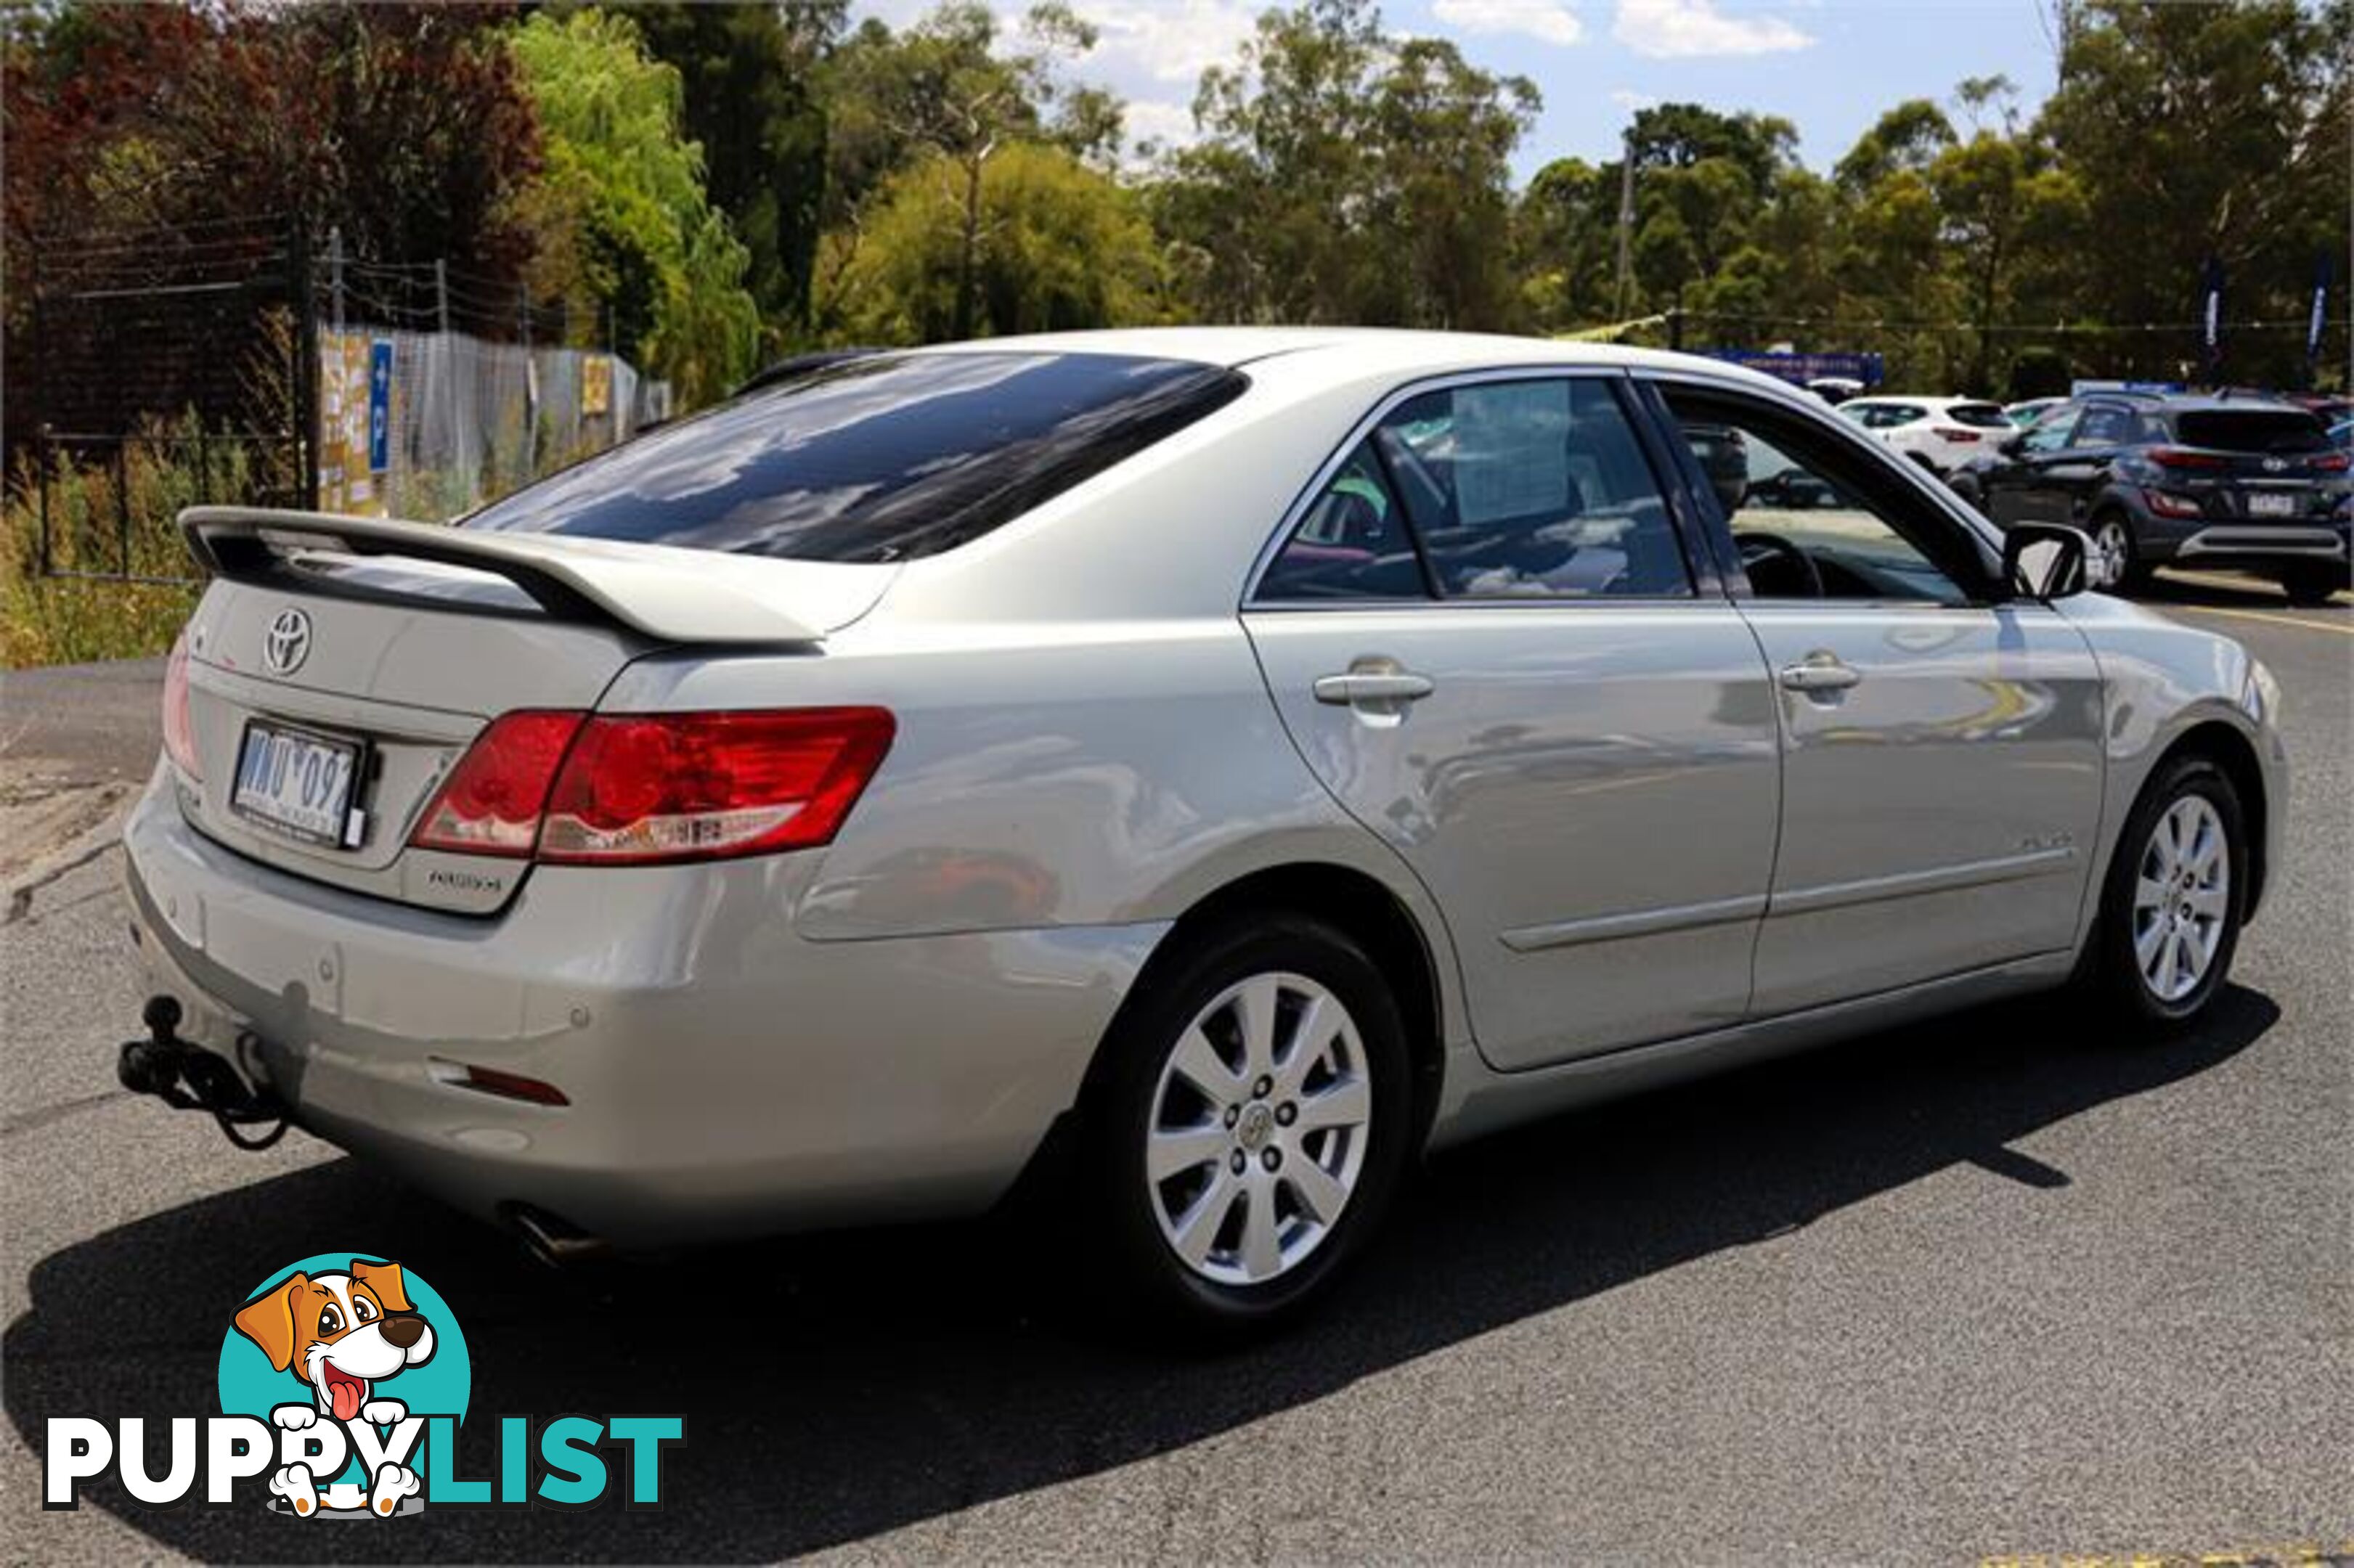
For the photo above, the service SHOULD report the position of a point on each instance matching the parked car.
(2024, 414)
(1215, 766)
(2250, 484)
(1938, 433)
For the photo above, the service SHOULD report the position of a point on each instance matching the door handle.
(1373, 686)
(1819, 672)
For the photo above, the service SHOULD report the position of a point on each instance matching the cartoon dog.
(342, 1334)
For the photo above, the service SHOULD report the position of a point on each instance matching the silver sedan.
(1223, 763)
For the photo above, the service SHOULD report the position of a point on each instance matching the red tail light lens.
(179, 730)
(2167, 504)
(2331, 463)
(677, 787)
(2176, 457)
(491, 804)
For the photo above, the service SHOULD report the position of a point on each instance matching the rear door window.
(1532, 489)
(2107, 425)
(884, 458)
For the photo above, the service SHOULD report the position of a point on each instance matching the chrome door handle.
(1365, 686)
(1818, 672)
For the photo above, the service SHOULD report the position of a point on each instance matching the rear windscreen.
(879, 458)
(1985, 416)
(2251, 431)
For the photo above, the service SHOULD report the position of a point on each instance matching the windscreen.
(2260, 430)
(879, 458)
(1985, 416)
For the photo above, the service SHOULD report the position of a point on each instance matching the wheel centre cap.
(1258, 1125)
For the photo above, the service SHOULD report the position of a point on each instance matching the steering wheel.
(1759, 548)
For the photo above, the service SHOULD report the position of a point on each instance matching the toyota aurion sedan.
(1232, 762)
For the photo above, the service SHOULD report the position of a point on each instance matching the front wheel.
(1248, 1125)
(2170, 920)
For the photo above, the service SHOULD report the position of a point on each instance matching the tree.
(622, 210)
(2200, 131)
(1061, 247)
(1346, 176)
(402, 125)
(751, 99)
(948, 89)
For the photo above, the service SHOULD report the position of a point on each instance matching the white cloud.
(1171, 125)
(1167, 40)
(1547, 21)
(1672, 28)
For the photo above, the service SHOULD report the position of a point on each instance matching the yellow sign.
(596, 386)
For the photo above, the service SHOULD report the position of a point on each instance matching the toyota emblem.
(287, 643)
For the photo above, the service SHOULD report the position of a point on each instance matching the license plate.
(2261, 505)
(297, 782)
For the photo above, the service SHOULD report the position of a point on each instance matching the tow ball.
(189, 1078)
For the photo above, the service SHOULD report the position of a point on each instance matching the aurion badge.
(287, 643)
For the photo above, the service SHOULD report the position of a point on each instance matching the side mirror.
(2045, 561)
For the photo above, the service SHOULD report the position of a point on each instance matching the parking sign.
(380, 404)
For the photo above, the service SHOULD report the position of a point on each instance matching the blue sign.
(1801, 368)
(380, 404)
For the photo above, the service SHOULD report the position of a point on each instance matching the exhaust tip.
(554, 1243)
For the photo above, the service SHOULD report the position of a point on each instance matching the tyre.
(1245, 1129)
(2170, 908)
(2115, 564)
(2312, 583)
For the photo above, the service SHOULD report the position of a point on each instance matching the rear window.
(1985, 416)
(2251, 431)
(879, 458)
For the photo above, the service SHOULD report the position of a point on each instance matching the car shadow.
(840, 1387)
(2224, 592)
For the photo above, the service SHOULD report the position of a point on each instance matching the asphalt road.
(1988, 1288)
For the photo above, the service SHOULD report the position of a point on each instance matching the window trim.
(1699, 568)
(1981, 587)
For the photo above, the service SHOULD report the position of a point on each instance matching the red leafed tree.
(401, 124)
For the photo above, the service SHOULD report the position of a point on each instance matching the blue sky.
(1828, 65)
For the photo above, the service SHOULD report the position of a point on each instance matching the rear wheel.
(2114, 564)
(2170, 909)
(2312, 582)
(1248, 1125)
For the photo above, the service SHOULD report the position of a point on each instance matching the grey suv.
(2243, 482)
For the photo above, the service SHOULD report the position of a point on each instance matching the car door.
(2070, 478)
(1942, 751)
(1485, 635)
(2014, 488)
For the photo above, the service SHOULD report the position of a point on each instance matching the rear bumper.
(725, 1077)
(2190, 542)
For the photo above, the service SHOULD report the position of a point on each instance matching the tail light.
(2178, 456)
(492, 801)
(2167, 504)
(1947, 433)
(622, 788)
(2330, 462)
(179, 731)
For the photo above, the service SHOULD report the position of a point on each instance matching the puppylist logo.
(342, 1381)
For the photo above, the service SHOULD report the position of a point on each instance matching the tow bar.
(189, 1078)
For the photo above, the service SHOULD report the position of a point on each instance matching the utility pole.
(335, 276)
(1625, 216)
(441, 296)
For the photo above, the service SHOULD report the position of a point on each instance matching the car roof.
(1357, 350)
(1933, 399)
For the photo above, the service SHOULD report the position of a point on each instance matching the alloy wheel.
(2182, 897)
(1259, 1128)
(2112, 553)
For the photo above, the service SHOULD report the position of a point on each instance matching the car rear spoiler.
(662, 591)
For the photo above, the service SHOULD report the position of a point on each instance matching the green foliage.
(1061, 247)
(1345, 174)
(622, 208)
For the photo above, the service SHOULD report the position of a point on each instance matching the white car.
(1939, 433)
